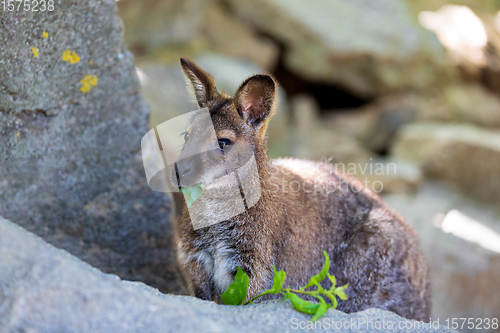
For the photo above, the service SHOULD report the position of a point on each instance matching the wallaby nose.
(185, 170)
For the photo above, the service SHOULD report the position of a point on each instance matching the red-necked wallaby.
(301, 208)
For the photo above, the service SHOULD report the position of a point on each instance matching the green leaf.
(278, 280)
(339, 291)
(238, 290)
(342, 295)
(333, 299)
(192, 193)
(319, 277)
(333, 280)
(322, 309)
(302, 305)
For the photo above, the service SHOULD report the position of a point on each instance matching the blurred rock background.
(404, 94)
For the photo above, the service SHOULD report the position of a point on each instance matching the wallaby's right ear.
(255, 99)
(202, 82)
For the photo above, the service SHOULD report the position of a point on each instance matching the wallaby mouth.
(184, 182)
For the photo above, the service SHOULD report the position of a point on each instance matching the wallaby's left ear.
(202, 82)
(255, 98)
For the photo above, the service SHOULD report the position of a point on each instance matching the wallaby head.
(240, 125)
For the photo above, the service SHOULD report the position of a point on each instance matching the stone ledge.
(45, 289)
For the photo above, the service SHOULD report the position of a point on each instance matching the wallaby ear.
(255, 98)
(202, 82)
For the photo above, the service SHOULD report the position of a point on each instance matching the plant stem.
(310, 293)
(254, 298)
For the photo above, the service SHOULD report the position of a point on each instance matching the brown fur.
(370, 246)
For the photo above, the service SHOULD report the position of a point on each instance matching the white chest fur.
(219, 261)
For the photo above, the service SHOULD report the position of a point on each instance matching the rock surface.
(44, 289)
(350, 43)
(461, 154)
(311, 139)
(71, 169)
(375, 124)
(171, 29)
(461, 103)
(151, 23)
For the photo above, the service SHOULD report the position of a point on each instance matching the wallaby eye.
(186, 136)
(225, 144)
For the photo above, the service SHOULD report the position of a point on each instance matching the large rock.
(311, 138)
(469, 31)
(71, 169)
(376, 124)
(351, 43)
(43, 289)
(484, 5)
(151, 24)
(470, 103)
(461, 154)
(166, 30)
(490, 74)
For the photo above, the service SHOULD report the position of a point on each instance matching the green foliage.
(237, 292)
(315, 279)
(300, 304)
(278, 280)
(192, 193)
(322, 308)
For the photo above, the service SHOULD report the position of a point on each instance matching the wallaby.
(303, 208)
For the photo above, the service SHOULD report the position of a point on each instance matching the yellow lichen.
(45, 34)
(91, 62)
(88, 82)
(71, 57)
(85, 207)
(35, 51)
(18, 133)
